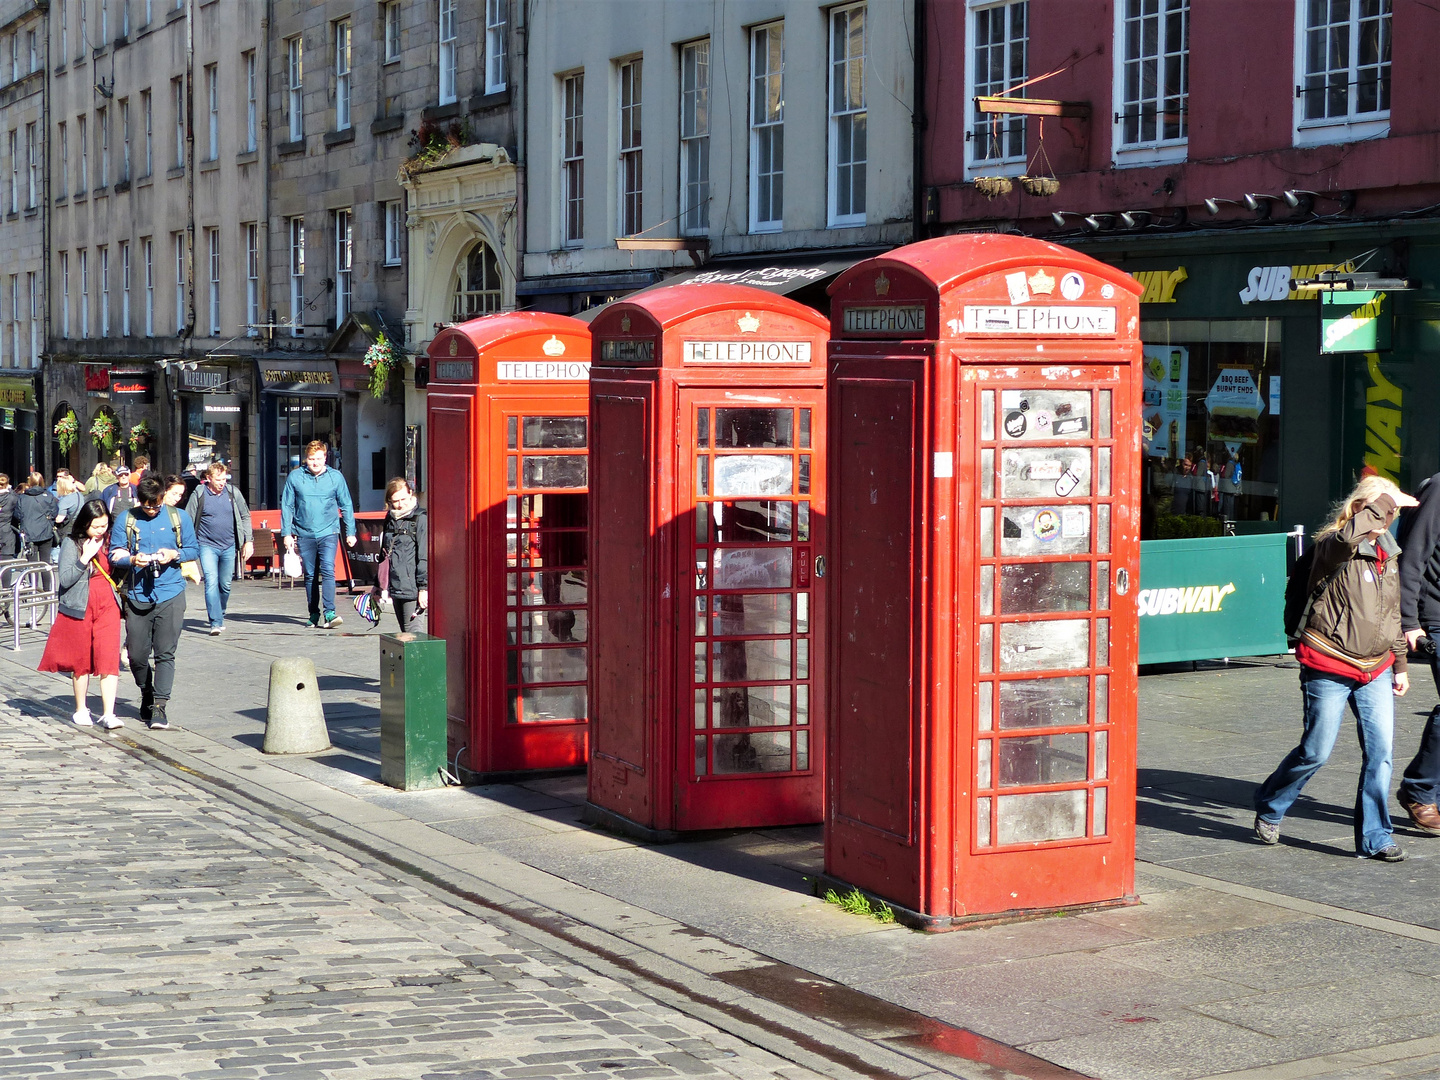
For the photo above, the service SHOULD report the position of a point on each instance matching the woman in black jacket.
(34, 515)
(404, 541)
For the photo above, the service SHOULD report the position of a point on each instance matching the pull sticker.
(1067, 482)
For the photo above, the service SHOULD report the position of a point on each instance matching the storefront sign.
(888, 319)
(132, 384)
(1214, 597)
(455, 370)
(1265, 283)
(300, 378)
(747, 352)
(1235, 404)
(548, 371)
(1383, 403)
(1166, 375)
(7, 419)
(207, 378)
(1160, 285)
(1039, 319)
(221, 408)
(1354, 322)
(17, 393)
(627, 352)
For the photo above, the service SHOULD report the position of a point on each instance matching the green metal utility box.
(412, 711)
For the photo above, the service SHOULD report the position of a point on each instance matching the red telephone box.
(985, 412)
(708, 412)
(508, 451)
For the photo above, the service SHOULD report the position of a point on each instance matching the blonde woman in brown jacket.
(1352, 654)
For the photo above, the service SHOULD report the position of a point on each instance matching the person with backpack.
(34, 516)
(1419, 536)
(222, 523)
(1352, 653)
(148, 543)
(404, 543)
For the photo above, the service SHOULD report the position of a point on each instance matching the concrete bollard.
(295, 721)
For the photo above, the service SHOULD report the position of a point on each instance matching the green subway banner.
(1209, 598)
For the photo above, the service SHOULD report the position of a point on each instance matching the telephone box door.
(755, 543)
(1054, 692)
(542, 556)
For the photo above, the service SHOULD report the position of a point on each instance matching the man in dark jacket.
(34, 515)
(405, 541)
(1419, 536)
(9, 542)
(222, 524)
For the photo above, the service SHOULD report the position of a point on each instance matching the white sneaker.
(110, 722)
(82, 719)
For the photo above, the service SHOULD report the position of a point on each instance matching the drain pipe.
(918, 125)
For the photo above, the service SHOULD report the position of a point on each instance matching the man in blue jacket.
(148, 542)
(313, 507)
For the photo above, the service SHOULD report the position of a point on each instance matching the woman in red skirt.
(85, 638)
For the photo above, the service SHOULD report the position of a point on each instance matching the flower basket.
(140, 435)
(67, 432)
(993, 186)
(382, 359)
(1043, 186)
(103, 432)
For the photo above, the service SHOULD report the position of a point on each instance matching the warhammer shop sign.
(132, 384)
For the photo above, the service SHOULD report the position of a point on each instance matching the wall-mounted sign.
(627, 352)
(1354, 322)
(300, 378)
(747, 352)
(1266, 283)
(1160, 285)
(17, 393)
(221, 408)
(455, 370)
(1166, 375)
(886, 319)
(206, 378)
(132, 384)
(1037, 319)
(543, 371)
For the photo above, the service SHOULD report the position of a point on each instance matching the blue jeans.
(218, 566)
(1421, 783)
(1326, 697)
(317, 553)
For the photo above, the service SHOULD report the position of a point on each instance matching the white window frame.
(212, 103)
(102, 146)
(251, 102)
(394, 230)
(32, 46)
(212, 243)
(572, 159)
(391, 30)
(15, 172)
(125, 18)
(630, 172)
(65, 294)
(1009, 162)
(32, 165)
(342, 39)
(1150, 105)
(295, 86)
(1354, 125)
(252, 279)
(497, 14)
(296, 229)
(179, 284)
(14, 56)
(125, 288)
(695, 138)
(147, 246)
(63, 133)
(15, 320)
(104, 252)
(64, 6)
(147, 108)
(846, 113)
(344, 264)
(125, 139)
(104, 23)
(84, 261)
(177, 101)
(33, 292)
(446, 58)
(82, 143)
(767, 128)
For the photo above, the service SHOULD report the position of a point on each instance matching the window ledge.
(385, 124)
(489, 101)
(1129, 157)
(80, 196)
(60, 69)
(174, 172)
(61, 200)
(856, 222)
(101, 193)
(31, 211)
(79, 61)
(393, 265)
(1004, 167)
(1324, 132)
(13, 215)
(339, 138)
(121, 41)
(209, 165)
(173, 14)
(122, 187)
(295, 147)
(441, 112)
(247, 157)
(145, 181)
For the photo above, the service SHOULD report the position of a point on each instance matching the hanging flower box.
(993, 186)
(67, 432)
(1043, 186)
(382, 359)
(103, 431)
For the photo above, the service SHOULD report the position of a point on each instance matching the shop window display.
(1212, 395)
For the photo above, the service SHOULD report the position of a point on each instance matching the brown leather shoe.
(1424, 816)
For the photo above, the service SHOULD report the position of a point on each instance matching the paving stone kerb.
(295, 719)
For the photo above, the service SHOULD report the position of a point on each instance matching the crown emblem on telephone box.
(748, 323)
(882, 285)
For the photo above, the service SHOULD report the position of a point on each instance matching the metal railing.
(30, 593)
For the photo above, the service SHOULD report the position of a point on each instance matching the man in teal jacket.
(313, 508)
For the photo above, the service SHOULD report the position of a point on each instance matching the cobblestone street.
(151, 929)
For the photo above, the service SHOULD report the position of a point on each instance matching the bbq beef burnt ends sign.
(132, 384)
